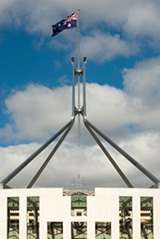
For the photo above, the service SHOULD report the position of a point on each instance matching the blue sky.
(121, 42)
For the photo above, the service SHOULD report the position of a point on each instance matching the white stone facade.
(102, 207)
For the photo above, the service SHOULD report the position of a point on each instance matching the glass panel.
(147, 217)
(79, 230)
(78, 204)
(13, 217)
(32, 217)
(55, 230)
(125, 217)
(103, 230)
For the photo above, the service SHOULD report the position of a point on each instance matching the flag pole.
(78, 41)
(78, 57)
(78, 68)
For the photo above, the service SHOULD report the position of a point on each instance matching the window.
(79, 214)
(78, 204)
(33, 217)
(55, 230)
(125, 217)
(13, 217)
(103, 230)
(79, 230)
(146, 217)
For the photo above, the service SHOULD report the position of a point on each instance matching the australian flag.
(67, 23)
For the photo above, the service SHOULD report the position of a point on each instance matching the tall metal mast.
(78, 68)
(79, 110)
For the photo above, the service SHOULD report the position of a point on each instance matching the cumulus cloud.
(100, 46)
(143, 19)
(144, 80)
(37, 111)
(34, 111)
(142, 83)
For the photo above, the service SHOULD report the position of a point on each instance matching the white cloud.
(143, 19)
(100, 46)
(144, 80)
(143, 84)
(37, 111)
(34, 111)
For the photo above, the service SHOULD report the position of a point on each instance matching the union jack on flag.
(67, 23)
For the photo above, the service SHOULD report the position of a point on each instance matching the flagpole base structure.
(80, 110)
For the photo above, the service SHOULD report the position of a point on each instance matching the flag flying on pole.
(67, 23)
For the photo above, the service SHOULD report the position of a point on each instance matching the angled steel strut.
(50, 156)
(35, 154)
(128, 183)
